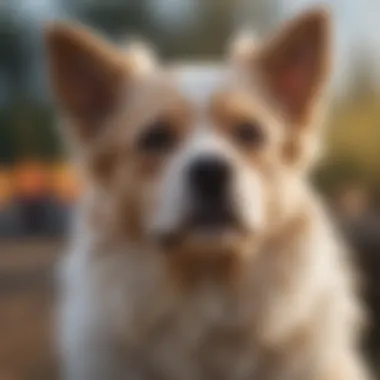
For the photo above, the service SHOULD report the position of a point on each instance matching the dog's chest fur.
(210, 331)
(202, 338)
(197, 333)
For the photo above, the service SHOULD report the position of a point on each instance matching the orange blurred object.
(5, 186)
(30, 179)
(33, 179)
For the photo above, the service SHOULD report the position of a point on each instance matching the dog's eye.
(158, 137)
(249, 133)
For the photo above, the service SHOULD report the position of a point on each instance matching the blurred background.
(38, 189)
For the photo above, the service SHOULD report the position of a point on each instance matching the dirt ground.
(26, 294)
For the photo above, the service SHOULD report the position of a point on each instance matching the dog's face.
(194, 159)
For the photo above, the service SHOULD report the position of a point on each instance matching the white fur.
(197, 82)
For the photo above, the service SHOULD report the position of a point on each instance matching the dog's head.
(198, 158)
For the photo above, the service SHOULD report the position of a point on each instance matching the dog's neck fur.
(284, 251)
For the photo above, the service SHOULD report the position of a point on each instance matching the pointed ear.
(87, 76)
(295, 64)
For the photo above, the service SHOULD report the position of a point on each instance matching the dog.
(199, 250)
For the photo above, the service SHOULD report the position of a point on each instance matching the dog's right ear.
(87, 76)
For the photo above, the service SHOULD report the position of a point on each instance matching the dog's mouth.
(212, 217)
(208, 227)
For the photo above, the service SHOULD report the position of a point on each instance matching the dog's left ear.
(295, 64)
(87, 74)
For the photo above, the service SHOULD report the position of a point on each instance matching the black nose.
(209, 177)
